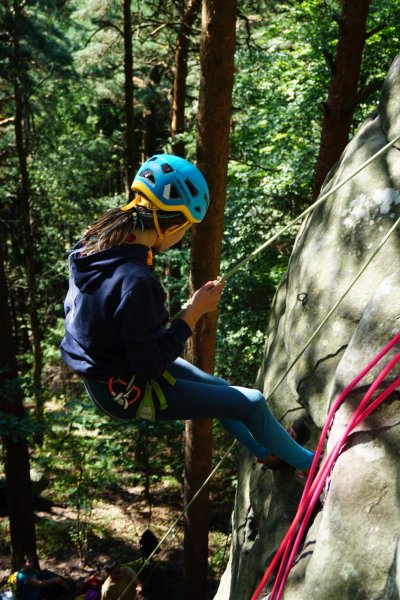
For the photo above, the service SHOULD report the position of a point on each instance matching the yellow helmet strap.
(174, 229)
(160, 234)
(141, 201)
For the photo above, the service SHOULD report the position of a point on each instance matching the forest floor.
(113, 529)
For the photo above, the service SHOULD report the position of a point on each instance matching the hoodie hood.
(89, 272)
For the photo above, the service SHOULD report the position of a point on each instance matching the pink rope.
(314, 485)
(316, 490)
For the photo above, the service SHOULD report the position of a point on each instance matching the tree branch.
(330, 60)
(103, 25)
(363, 94)
(376, 29)
(37, 86)
(246, 20)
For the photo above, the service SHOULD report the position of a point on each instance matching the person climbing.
(116, 334)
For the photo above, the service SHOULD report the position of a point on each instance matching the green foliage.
(13, 425)
(15, 428)
(88, 453)
(53, 535)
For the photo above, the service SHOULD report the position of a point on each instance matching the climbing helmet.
(173, 184)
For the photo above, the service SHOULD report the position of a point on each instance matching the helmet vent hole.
(147, 174)
(174, 192)
(167, 168)
(197, 209)
(170, 192)
(192, 189)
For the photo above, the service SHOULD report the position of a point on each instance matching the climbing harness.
(123, 397)
(126, 401)
(316, 481)
(146, 408)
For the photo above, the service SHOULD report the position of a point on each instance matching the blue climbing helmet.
(173, 184)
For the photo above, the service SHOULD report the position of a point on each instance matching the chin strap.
(160, 234)
(141, 201)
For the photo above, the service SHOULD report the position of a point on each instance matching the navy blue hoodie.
(116, 317)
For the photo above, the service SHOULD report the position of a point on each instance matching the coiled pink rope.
(315, 483)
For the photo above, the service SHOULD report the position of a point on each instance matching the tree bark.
(154, 111)
(128, 85)
(188, 17)
(179, 88)
(15, 447)
(339, 108)
(214, 117)
(22, 146)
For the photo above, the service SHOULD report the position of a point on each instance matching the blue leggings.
(241, 411)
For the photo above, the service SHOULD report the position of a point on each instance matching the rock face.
(351, 551)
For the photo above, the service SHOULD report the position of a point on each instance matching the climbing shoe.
(299, 431)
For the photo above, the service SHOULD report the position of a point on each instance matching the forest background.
(63, 159)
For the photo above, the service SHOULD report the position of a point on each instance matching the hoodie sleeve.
(149, 346)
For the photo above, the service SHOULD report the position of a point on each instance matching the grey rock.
(351, 551)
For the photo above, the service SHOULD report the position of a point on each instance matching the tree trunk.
(21, 137)
(15, 447)
(188, 17)
(339, 108)
(179, 88)
(215, 102)
(153, 113)
(129, 112)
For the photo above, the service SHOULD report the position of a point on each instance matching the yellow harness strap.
(169, 378)
(146, 408)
